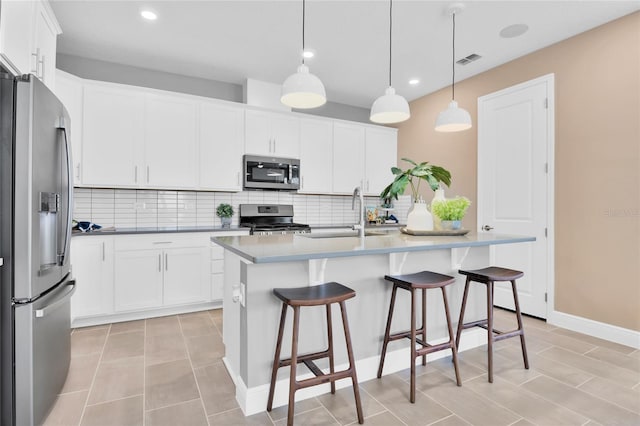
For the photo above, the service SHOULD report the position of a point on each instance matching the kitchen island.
(254, 265)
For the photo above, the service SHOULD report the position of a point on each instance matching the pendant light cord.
(390, 39)
(453, 60)
(303, 15)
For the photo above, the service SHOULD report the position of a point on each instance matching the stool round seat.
(314, 295)
(424, 279)
(492, 273)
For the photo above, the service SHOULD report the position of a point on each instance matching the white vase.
(439, 196)
(419, 218)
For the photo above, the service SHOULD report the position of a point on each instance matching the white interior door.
(515, 146)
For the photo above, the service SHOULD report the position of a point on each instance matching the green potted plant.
(419, 218)
(451, 212)
(225, 212)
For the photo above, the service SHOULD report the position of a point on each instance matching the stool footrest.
(402, 334)
(302, 358)
(506, 334)
(313, 367)
(427, 349)
(323, 378)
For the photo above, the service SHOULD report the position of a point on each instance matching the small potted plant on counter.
(419, 217)
(451, 212)
(225, 212)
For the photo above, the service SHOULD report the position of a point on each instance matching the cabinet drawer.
(161, 241)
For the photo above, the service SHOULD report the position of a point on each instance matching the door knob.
(487, 228)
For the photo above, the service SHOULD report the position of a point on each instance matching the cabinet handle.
(166, 261)
(135, 174)
(274, 146)
(36, 56)
(238, 178)
(103, 251)
(301, 182)
(78, 171)
(159, 263)
(367, 185)
(147, 174)
(41, 62)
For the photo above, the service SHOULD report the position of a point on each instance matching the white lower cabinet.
(138, 279)
(92, 266)
(186, 276)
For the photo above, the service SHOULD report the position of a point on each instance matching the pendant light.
(303, 90)
(390, 108)
(454, 118)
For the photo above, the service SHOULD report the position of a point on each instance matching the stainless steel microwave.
(271, 173)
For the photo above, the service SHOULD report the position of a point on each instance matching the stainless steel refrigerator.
(36, 191)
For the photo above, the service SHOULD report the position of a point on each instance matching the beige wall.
(597, 171)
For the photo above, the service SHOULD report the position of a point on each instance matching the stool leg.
(424, 322)
(276, 358)
(352, 364)
(462, 308)
(388, 330)
(294, 363)
(519, 317)
(452, 343)
(490, 329)
(330, 338)
(412, 395)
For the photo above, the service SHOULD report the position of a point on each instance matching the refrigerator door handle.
(40, 313)
(67, 235)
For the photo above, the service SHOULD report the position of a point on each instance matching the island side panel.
(367, 312)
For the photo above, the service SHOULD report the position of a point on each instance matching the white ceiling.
(234, 40)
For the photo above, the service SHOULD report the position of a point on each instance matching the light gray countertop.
(157, 230)
(286, 248)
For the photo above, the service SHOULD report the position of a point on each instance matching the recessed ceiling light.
(308, 53)
(414, 81)
(515, 30)
(148, 15)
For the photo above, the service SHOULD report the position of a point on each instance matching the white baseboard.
(148, 313)
(609, 332)
(254, 400)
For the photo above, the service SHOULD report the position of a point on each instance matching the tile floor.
(168, 371)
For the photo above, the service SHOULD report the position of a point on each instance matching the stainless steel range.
(270, 219)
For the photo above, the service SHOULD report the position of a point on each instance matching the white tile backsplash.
(131, 208)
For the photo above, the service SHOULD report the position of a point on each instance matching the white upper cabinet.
(316, 156)
(16, 28)
(171, 148)
(46, 32)
(272, 134)
(221, 147)
(69, 91)
(112, 137)
(381, 149)
(348, 157)
(28, 33)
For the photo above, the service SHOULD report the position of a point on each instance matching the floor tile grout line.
(184, 342)
(585, 382)
(381, 404)
(114, 400)
(172, 405)
(95, 374)
(444, 418)
(144, 374)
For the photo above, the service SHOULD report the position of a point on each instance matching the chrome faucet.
(357, 192)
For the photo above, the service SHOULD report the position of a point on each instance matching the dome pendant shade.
(390, 108)
(303, 90)
(453, 119)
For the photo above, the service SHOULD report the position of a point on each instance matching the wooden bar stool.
(420, 281)
(324, 294)
(488, 276)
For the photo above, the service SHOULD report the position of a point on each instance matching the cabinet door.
(380, 155)
(258, 138)
(316, 143)
(171, 150)
(138, 279)
(111, 137)
(285, 131)
(221, 147)
(16, 35)
(186, 275)
(69, 91)
(348, 157)
(92, 261)
(45, 36)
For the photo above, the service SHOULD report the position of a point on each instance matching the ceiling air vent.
(468, 59)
